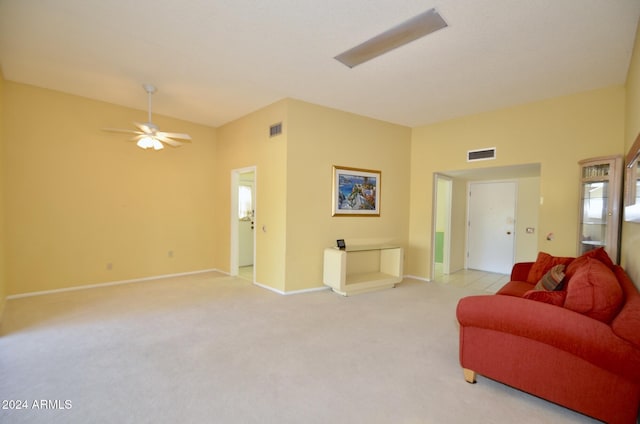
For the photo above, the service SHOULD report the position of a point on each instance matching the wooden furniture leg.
(469, 375)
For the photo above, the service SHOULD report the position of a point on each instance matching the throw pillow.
(552, 280)
(599, 254)
(544, 262)
(594, 291)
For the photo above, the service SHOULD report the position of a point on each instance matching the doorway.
(443, 187)
(491, 226)
(527, 179)
(243, 218)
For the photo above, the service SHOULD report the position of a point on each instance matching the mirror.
(632, 183)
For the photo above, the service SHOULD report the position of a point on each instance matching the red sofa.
(578, 346)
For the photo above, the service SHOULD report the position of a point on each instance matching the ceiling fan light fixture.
(156, 144)
(404, 33)
(145, 142)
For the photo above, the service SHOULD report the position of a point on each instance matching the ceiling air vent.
(482, 154)
(275, 129)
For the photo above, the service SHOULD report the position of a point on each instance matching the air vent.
(482, 154)
(275, 129)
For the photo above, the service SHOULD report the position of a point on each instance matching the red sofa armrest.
(520, 271)
(582, 336)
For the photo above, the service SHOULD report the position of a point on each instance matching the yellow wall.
(318, 138)
(3, 273)
(528, 208)
(293, 186)
(631, 231)
(458, 228)
(556, 133)
(78, 198)
(243, 143)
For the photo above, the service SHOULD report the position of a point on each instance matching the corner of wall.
(630, 246)
(3, 272)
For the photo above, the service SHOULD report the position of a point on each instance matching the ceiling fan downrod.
(150, 89)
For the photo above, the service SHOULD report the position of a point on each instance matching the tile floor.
(246, 272)
(469, 278)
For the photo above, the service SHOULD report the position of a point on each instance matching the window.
(245, 204)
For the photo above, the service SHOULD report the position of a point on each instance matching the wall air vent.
(275, 129)
(481, 154)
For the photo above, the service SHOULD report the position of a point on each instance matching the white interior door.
(243, 218)
(491, 232)
(246, 219)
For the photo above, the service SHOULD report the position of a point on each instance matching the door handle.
(509, 233)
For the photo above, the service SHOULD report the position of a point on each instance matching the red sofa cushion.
(593, 290)
(627, 323)
(544, 262)
(552, 297)
(515, 288)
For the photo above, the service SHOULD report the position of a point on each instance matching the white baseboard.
(287, 293)
(111, 283)
(413, 277)
(315, 289)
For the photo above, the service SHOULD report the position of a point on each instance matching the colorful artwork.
(356, 192)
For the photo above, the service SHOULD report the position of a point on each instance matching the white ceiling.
(216, 60)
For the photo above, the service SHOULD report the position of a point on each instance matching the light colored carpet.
(214, 349)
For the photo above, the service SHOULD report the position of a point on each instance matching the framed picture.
(356, 192)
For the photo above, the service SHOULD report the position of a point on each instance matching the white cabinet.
(360, 269)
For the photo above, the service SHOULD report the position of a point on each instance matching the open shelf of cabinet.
(599, 209)
(361, 269)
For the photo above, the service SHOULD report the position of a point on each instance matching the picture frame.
(356, 192)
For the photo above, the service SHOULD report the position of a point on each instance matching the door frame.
(446, 254)
(234, 250)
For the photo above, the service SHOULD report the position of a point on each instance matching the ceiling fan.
(148, 135)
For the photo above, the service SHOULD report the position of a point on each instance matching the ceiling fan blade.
(180, 136)
(170, 142)
(145, 128)
(121, 130)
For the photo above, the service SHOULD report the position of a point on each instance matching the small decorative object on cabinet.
(359, 269)
(599, 211)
